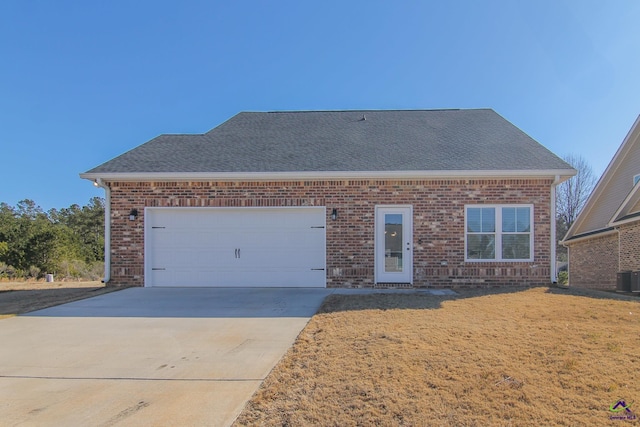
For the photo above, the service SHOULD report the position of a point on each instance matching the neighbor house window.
(499, 233)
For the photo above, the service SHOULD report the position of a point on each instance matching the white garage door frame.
(259, 220)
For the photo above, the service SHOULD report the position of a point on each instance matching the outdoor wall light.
(334, 214)
(133, 214)
(95, 183)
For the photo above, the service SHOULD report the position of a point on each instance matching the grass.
(503, 357)
(25, 296)
(31, 285)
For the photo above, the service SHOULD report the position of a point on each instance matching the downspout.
(107, 229)
(554, 272)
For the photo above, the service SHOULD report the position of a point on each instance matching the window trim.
(499, 233)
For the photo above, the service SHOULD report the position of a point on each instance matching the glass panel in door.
(393, 243)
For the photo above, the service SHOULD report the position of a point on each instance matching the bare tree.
(572, 194)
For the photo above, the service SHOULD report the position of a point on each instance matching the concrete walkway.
(148, 356)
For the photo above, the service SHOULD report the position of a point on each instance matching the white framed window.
(498, 233)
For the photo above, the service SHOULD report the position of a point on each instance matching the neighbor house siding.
(594, 262)
(621, 183)
(438, 208)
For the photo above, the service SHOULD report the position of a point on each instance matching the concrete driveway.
(147, 356)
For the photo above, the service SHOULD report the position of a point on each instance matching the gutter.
(554, 273)
(597, 233)
(625, 219)
(107, 228)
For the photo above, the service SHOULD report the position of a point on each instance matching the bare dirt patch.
(517, 357)
(23, 297)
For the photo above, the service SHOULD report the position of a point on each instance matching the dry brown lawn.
(23, 297)
(526, 357)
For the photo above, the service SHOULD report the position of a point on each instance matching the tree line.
(68, 243)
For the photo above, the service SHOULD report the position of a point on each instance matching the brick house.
(335, 199)
(605, 237)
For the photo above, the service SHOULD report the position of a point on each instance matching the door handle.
(236, 253)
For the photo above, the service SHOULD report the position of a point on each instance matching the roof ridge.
(367, 110)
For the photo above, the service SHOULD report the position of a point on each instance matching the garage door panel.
(183, 236)
(227, 277)
(192, 259)
(252, 279)
(268, 258)
(235, 247)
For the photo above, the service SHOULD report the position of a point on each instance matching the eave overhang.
(563, 175)
(626, 219)
(590, 235)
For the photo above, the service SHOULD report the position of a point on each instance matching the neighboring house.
(605, 237)
(337, 199)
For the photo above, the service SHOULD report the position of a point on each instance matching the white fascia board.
(624, 221)
(293, 176)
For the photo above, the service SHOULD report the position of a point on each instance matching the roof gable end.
(615, 194)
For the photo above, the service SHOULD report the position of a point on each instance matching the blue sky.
(84, 81)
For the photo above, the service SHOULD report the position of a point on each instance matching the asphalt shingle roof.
(313, 141)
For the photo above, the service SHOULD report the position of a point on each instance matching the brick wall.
(593, 263)
(438, 208)
(629, 246)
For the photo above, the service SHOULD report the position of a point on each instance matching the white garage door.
(278, 247)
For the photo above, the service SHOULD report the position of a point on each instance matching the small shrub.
(563, 278)
(3, 270)
(7, 271)
(34, 272)
(97, 270)
(80, 270)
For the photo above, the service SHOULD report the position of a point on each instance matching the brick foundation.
(438, 209)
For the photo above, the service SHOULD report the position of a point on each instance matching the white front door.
(394, 244)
